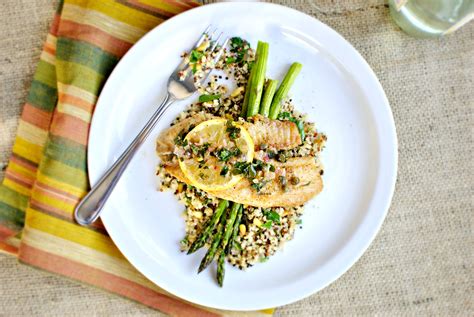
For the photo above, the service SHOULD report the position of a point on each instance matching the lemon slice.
(202, 166)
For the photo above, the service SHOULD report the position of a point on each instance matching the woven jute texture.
(421, 262)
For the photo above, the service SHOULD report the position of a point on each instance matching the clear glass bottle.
(431, 18)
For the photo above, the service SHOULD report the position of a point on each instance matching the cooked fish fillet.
(271, 195)
(165, 142)
(280, 135)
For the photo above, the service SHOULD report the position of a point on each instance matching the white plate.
(336, 88)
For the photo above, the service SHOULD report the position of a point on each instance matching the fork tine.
(216, 59)
(216, 42)
(203, 36)
(221, 50)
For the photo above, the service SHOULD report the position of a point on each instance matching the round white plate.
(336, 88)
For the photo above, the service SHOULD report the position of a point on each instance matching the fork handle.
(89, 209)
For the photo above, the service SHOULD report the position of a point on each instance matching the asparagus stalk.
(268, 94)
(221, 268)
(255, 94)
(228, 230)
(209, 227)
(282, 91)
(229, 225)
(212, 249)
(235, 231)
(247, 93)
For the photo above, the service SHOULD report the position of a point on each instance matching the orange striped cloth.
(47, 174)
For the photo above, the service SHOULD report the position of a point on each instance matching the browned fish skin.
(272, 195)
(281, 135)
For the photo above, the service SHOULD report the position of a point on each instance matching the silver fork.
(181, 85)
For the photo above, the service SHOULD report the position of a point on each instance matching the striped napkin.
(47, 173)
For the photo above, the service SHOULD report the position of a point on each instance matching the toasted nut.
(242, 229)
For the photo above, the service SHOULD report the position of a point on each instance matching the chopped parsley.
(299, 124)
(250, 170)
(206, 98)
(299, 221)
(268, 224)
(230, 60)
(233, 131)
(271, 215)
(224, 171)
(259, 186)
(225, 154)
(195, 56)
(199, 150)
(179, 140)
(239, 47)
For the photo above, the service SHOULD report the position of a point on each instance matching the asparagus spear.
(212, 249)
(268, 94)
(235, 231)
(229, 225)
(235, 210)
(221, 268)
(247, 93)
(228, 230)
(209, 227)
(282, 91)
(255, 94)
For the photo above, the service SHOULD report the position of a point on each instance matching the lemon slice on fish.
(211, 150)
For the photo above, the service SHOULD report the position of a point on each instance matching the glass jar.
(431, 18)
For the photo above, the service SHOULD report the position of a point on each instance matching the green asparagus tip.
(283, 90)
(258, 79)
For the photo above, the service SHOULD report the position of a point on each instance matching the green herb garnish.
(224, 154)
(206, 98)
(239, 47)
(268, 224)
(233, 131)
(195, 56)
(230, 60)
(258, 186)
(299, 124)
(271, 215)
(224, 171)
(179, 139)
(199, 150)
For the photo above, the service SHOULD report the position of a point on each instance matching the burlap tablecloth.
(422, 260)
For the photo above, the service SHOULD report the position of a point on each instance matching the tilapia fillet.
(280, 135)
(272, 194)
(276, 134)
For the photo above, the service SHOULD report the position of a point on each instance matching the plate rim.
(391, 132)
